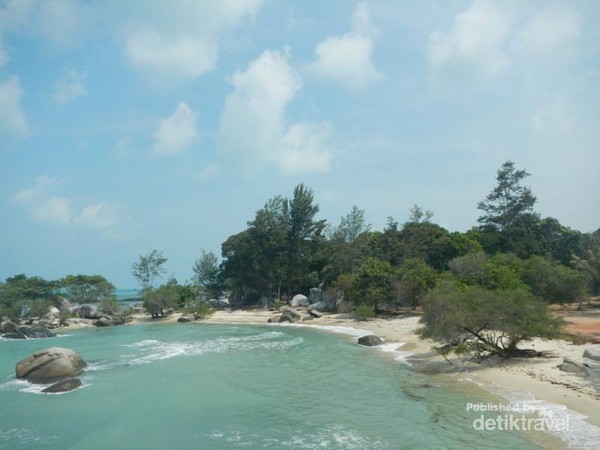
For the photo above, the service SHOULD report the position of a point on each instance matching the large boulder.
(25, 332)
(321, 306)
(289, 315)
(8, 327)
(104, 322)
(50, 365)
(571, 366)
(370, 340)
(87, 311)
(300, 300)
(65, 385)
(64, 305)
(592, 353)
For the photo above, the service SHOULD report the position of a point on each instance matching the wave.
(17, 384)
(334, 437)
(157, 350)
(578, 435)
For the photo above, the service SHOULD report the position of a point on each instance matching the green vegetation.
(482, 291)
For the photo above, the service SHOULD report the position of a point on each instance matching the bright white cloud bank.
(177, 132)
(181, 39)
(44, 206)
(253, 131)
(348, 59)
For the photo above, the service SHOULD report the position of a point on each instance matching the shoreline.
(539, 377)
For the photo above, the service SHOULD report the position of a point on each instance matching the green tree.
(206, 273)
(372, 283)
(149, 268)
(554, 282)
(86, 288)
(476, 320)
(351, 226)
(508, 213)
(588, 259)
(416, 279)
(157, 301)
(24, 297)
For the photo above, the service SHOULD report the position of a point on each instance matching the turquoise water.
(207, 386)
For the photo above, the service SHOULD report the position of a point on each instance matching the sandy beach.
(538, 376)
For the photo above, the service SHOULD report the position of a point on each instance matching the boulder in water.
(65, 385)
(51, 364)
(370, 341)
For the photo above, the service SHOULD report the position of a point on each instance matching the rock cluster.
(53, 365)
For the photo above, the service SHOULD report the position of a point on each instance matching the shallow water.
(220, 386)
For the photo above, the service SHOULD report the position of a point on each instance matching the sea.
(217, 386)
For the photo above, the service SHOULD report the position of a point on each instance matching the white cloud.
(180, 40)
(348, 58)
(177, 132)
(478, 37)
(99, 215)
(61, 22)
(253, 132)
(69, 87)
(553, 26)
(489, 36)
(13, 118)
(44, 206)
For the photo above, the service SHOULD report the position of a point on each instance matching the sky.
(127, 126)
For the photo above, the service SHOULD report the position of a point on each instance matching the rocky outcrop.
(592, 353)
(87, 311)
(370, 341)
(104, 322)
(24, 332)
(300, 300)
(315, 295)
(63, 386)
(8, 327)
(315, 313)
(321, 306)
(50, 365)
(184, 319)
(64, 305)
(289, 315)
(571, 366)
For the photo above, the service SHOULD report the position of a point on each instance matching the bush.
(363, 312)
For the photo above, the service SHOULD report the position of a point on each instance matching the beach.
(540, 376)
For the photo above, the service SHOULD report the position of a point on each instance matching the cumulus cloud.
(13, 118)
(69, 87)
(180, 40)
(489, 36)
(177, 132)
(348, 59)
(45, 206)
(253, 131)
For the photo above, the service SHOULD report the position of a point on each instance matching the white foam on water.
(356, 332)
(579, 435)
(24, 436)
(158, 350)
(394, 348)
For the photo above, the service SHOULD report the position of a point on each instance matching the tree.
(476, 320)
(149, 267)
(372, 283)
(351, 226)
(416, 279)
(86, 288)
(508, 212)
(23, 297)
(417, 215)
(156, 301)
(206, 273)
(589, 259)
(554, 282)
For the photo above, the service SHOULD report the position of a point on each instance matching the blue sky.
(132, 125)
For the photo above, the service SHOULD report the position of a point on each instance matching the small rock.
(185, 319)
(104, 322)
(571, 366)
(370, 341)
(63, 386)
(592, 353)
(289, 315)
(315, 313)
